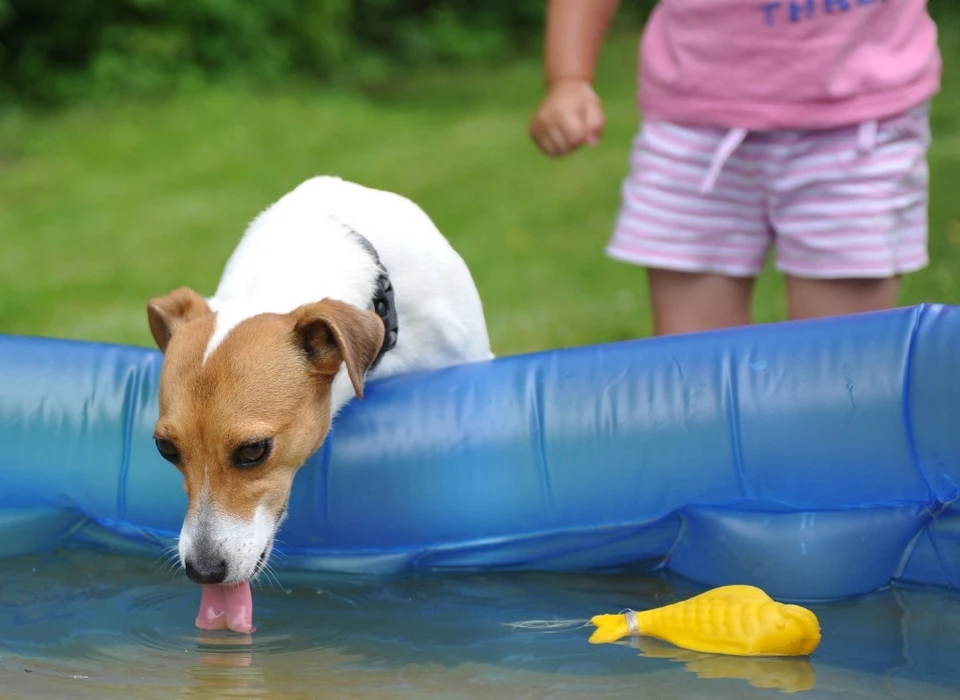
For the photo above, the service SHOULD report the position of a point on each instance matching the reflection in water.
(789, 675)
(79, 624)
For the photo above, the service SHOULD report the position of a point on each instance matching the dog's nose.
(213, 572)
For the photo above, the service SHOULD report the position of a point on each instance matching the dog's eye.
(252, 454)
(168, 450)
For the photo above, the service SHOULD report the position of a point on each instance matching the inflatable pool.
(817, 459)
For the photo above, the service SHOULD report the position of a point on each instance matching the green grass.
(102, 207)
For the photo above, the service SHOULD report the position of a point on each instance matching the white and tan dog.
(333, 284)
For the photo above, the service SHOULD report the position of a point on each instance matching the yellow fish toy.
(733, 620)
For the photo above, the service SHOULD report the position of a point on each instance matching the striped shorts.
(841, 203)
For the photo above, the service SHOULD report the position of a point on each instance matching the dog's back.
(303, 248)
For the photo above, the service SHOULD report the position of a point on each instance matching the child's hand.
(569, 116)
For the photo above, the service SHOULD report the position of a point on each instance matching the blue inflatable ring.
(816, 459)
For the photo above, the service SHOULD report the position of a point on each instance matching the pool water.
(79, 624)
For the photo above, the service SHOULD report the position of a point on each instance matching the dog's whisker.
(168, 567)
(271, 576)
(258, 580)
(167, 562)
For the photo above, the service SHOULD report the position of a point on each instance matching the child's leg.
(813, 298)
(685, 302)
(850, 215)
(702, 250)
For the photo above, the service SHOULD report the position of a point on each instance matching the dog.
(334, 285)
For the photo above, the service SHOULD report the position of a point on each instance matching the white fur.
(301, 250)
(238, 542)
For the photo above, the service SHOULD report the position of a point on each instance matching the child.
(800, 122)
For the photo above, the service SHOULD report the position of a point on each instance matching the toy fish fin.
(740, 593)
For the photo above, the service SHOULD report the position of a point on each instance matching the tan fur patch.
(168, 313)
(267, 380)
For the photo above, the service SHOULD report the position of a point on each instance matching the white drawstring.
(866, 141)
(867, 136)
(727, 146)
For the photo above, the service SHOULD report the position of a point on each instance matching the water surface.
(82, 624)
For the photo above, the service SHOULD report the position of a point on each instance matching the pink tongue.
(226, 607)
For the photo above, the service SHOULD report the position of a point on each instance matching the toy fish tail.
(610, 628)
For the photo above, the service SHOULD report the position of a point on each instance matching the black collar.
(383, 302)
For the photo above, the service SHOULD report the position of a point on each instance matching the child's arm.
(571, 114)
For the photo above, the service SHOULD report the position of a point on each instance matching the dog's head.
(241, 411)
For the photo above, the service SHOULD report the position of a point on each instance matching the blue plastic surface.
(818, 459)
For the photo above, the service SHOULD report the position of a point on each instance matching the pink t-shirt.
(786, 64)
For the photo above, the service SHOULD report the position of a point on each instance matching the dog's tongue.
(226, 607)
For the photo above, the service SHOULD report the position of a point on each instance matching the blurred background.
(139, 137)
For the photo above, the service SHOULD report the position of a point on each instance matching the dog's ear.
(169, 312)
(331, 332)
